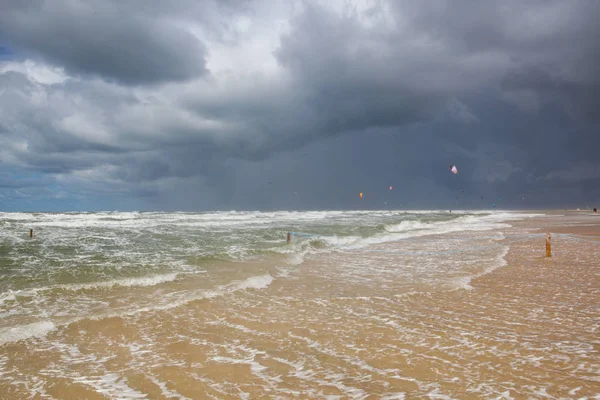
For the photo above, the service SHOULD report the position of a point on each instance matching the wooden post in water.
(289, 237)
(548, 247)
(31, 233)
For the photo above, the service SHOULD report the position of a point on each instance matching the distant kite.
(390, 188)
(453, 169)
(360, 195)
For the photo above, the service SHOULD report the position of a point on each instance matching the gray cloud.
(106, 39)
(320, 100)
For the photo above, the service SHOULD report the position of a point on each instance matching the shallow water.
(362, 305)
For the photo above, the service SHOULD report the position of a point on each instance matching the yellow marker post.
(548, 246)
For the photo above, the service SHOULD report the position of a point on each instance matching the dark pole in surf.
(289, 237)
(31, 233)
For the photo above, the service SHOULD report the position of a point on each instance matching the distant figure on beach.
(595, 211)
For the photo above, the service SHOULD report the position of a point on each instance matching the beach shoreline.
(355, 322)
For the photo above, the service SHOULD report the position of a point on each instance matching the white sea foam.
(39, 329)
(226, 219)
(166, 392)
(497, 262)
(20, 332)
(112, 385)
(254, 282)
(410, 229)
(394, 396)
(95, 251)
(7, 296)
(464, 223)
(142, 281)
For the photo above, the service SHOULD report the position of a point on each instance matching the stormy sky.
(285, 104)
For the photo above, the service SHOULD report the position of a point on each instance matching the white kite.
(453, 169)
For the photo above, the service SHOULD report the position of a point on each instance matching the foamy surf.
(253, 282)
(112, 385)
(497, 262)
(180, 299)
(130, 263)
(143, 281)
(40, 329)
(414, 229)
(7, 296)
(385, 319)
(21, 332)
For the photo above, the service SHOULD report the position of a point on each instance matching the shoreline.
(525, 329)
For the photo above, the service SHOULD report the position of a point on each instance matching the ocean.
(219, 305)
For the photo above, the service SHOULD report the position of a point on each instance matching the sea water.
(219, 305)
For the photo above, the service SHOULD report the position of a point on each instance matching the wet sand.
(526, 330)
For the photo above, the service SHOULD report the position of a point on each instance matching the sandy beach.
(529, 328)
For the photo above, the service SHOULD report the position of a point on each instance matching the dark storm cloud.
(553, 57)
(343, 99)
(105, 39)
